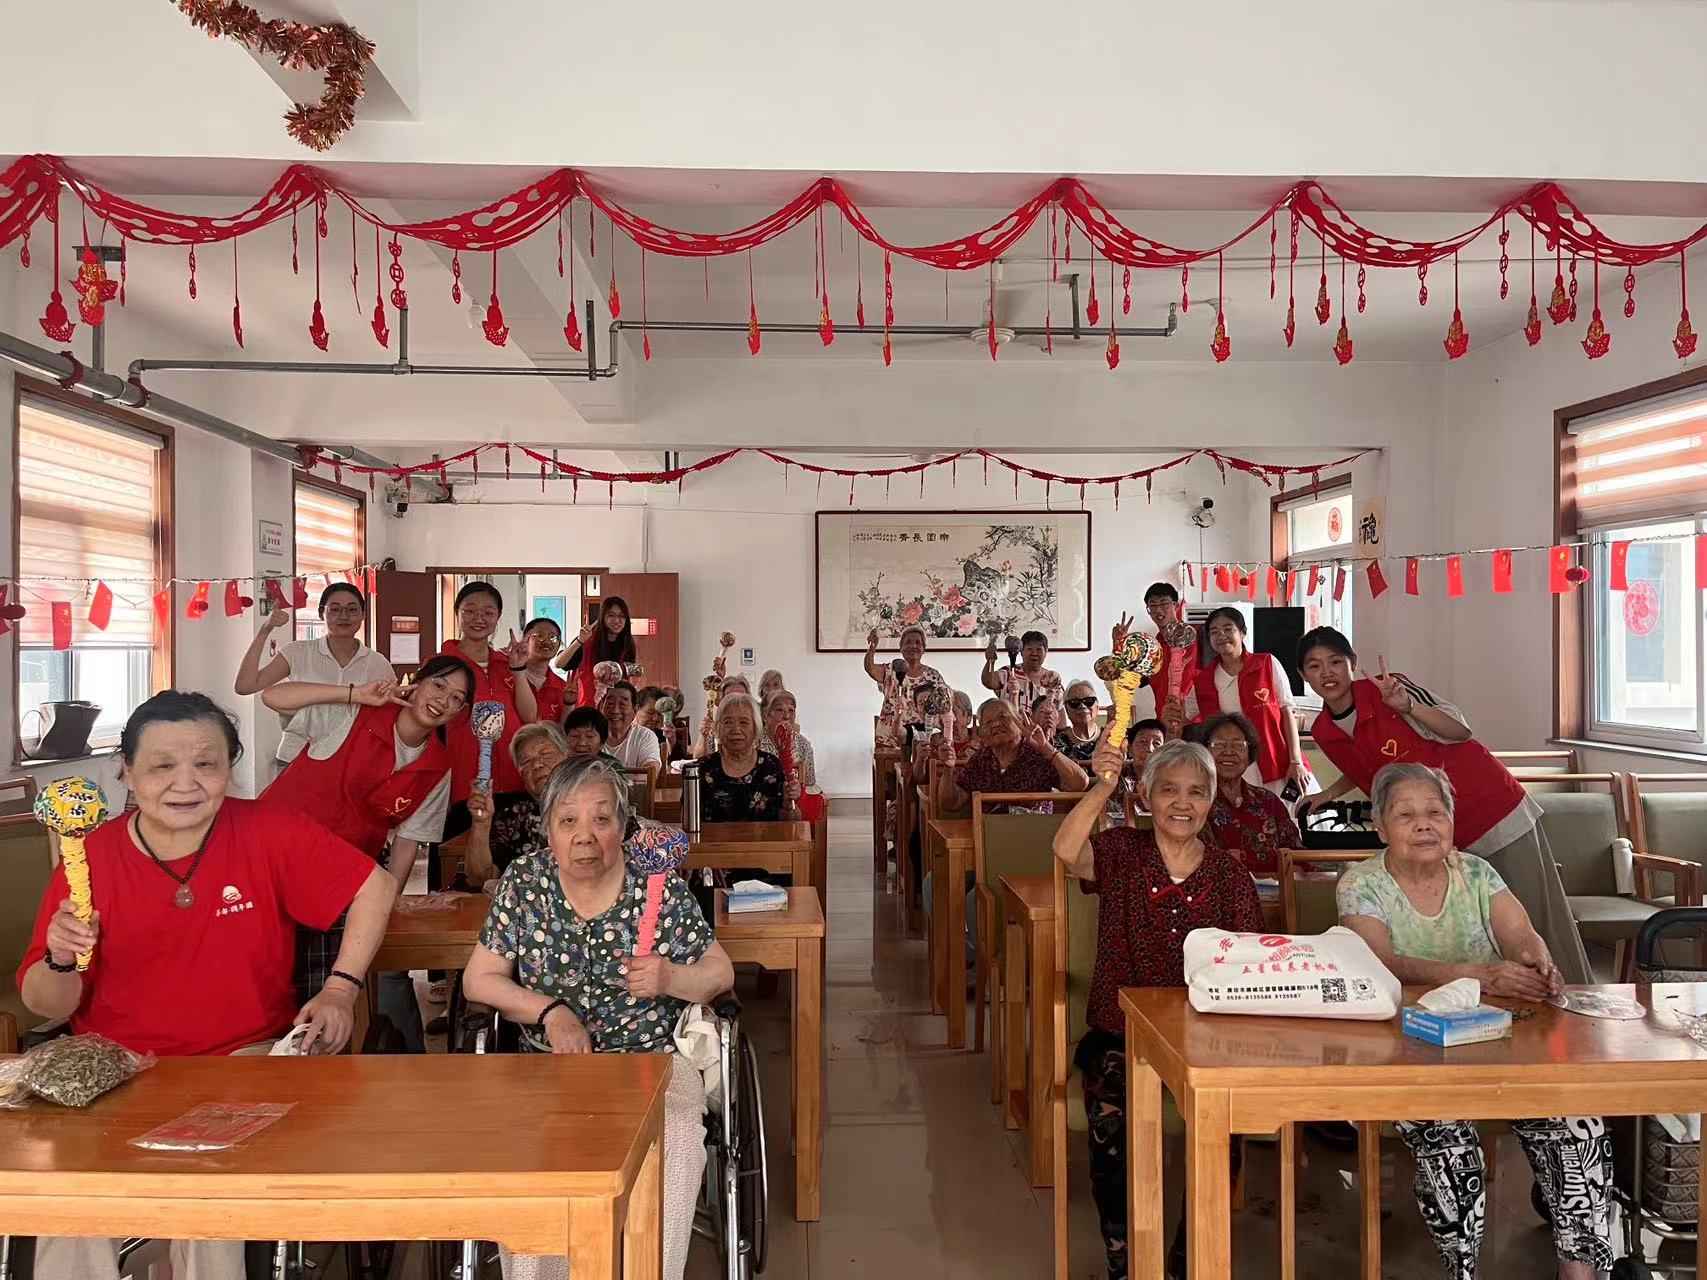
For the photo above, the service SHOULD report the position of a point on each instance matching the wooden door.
(405, 613)
(654, 605)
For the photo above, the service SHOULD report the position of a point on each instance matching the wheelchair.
(735, 1192)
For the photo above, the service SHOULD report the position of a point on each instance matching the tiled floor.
(920, 1178)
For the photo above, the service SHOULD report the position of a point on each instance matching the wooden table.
(951, 856)
(570, 1163)
(667, 805)
(1024, 1068)
(884, 756)
(1232, 1074)
(422, 937)
(784, 940)
(782, 848)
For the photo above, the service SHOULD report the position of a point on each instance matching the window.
(1634, 470)
(1316, 528)
(94, 502)
(330, 538)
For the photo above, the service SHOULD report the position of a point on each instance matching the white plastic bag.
(1327, 975)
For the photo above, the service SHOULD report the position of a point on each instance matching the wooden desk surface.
(1032, 898)
(770, 837)
(802, 918)
(569, 1126)
(414, 924)
(955, 831)
(1551, 1046)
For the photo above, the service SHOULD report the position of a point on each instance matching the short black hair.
(1228, 612)
(1325, 638)
(474, 589)
(1166, 590)
(651, 693)
(1246, 729)
(1034, 637)
(587, 718)
(340, 586)
(1140, 726)
(179, 706)
(542, 622)
(633, 696)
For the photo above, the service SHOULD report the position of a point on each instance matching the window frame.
(163, 653)
(301, 480)
(1574, 691)
(1281, 506)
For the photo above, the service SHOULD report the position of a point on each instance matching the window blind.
(1646, 460)
(328, 531)
(88, 507)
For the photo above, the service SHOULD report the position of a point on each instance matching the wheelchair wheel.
(754, 1168)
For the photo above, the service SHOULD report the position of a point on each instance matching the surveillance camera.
(397, 507)
(1209, 504)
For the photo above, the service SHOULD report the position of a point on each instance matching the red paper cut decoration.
(1093, 311)
(1271, 583)
(197, 606)
(275, 593)
(1220, 346)
(1377, 580)
(317, 332)
(1291, 585)
(1505, 259)
(456, 279)
(61, 613)
(1502, 572)
(1223, 578)
(101, 607)
(1684, 342)
(235, 601)
(55, 321)
(496, 331)
(192, 274)
(1454, 577)
(381, 330)
(753, 316)
(299, 593)
(1597, 341)
(236, 300)
(1362, 299)
(1618, 576)
(1641, 607)
(1630, 293)
(1573, 287)
(1126, 291)
(1422, 283)
(1112, 353)
(1413, 571)
(399, 298)
(1324, 308)
(1344, 349)
(1532, 325)
(1273, 233)
(94, 289)
(1559, 306)
(1457, 337)
(1339, 582)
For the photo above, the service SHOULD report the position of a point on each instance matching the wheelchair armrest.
(726, 1006)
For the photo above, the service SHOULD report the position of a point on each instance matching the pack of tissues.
(1454, 1014)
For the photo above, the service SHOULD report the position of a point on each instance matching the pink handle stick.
(649, 918)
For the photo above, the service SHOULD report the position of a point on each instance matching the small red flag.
(299, 592)
(235, 600)
(163, 609)
(1271, 583)
(101, 607)
(1203, 582)
(1454, 577)
(276, 594)
(1291, 585)
(61, 624)
(1189, 576)
(197, 606)
(1339, 582)
(1315, 579)
(1558, 566)
(1252, 583)
(1620, 561)
(1223, 578)
(372, 576)
(1377, 580)
(1502, 573)
(1413, 569)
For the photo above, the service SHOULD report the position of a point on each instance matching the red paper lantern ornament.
(1559, 305)
(1685, 339)
(56, 322)
(10, 614)
(94, 289)
(496, 331)
(1457, 340)
(197, 606)
(101, 607)
(1220, 346)
(1597, 342)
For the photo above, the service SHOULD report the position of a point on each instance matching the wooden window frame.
(163, 658)
(301, 480)
(1279, 527)
(1571, 617)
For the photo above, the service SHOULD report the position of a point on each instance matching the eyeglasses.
(1081, 702)
(349, 611)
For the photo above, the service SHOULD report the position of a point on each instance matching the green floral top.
(1461, 933)
(558, 954)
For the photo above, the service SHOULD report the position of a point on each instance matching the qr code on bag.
(1333, 991)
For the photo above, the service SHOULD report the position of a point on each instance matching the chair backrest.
(1540, 779)
(1562, 760)
(1076, 944)
(1015, 844)
(640, 794)
(1580, 827)
(1309, 879)
(1670, 823)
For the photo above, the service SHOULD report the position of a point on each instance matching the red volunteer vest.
(551, 697)
(1260, 702)
(359, 793)
(494, 682)
(1486, 791)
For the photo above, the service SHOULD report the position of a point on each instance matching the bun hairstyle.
(442, 664)
(179, 706)
(477, 588)
(344, 587)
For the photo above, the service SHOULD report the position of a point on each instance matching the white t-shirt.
(327, 729)
(312, 661)
(638, 749)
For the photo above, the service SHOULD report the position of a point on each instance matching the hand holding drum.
(1124, 671)
(73, 807)
(488, 721)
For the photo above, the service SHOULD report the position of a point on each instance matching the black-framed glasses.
(1081, 702)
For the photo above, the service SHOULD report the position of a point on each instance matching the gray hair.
(764, 679)
(1393, 776)
(913, 626)
(1179, 752)
(575, 775)
(530, 733)
(729, 681)
(1002, 703)
(732, 700)
(778, 695)
(1074, 684)
(963, 703)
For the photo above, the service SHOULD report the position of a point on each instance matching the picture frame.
(965, 576)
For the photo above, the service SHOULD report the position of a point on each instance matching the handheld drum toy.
(605, 675)
(1135, 659)
(73, 807)
(655, 850)
(488, 723)
(937, 702)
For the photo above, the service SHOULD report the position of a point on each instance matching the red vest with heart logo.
(1259, 700)
(1485, 791)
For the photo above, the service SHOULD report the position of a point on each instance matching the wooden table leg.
(1288, 1210)
(1209, 1191)
(952, 889)
(595, 1244)
(1012, 1066)
(1144, 1206)
(821, 863)
(643, 1228)
(808, 1077)
(1039, 1133)
(938, 927)
(879, 857)
(1369, 1196)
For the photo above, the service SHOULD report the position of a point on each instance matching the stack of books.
(755, 895)
(1468, 1026)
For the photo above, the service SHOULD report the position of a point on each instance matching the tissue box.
(1472, 1026)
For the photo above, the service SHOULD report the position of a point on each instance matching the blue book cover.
(1485, 1022)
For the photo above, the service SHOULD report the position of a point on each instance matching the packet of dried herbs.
(75, 1070)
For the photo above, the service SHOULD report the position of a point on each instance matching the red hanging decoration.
(1343, 348)
(236, 298)
(1422, 284)
(1558, 570)
(355, 266)
(1454, 577)
(496, 331)
(1457, 337)
(1413, 576)
(859, 281)
(1315, 580)
(94, 289)
(1618, 577)
(10, 614)
(753, 313)
(1093, 312)
(1184, 295)
(645, 331)
(1112, 354)
(101, 607)
(1630, 293)
(1597, 342)
(295, 220)
(456, 278)
(124, 266)
(56, 322)
(1377, 580)
(990, 316)
(1684, 341)
(1532, 324)
(1126, 291)
(1501, 568)
(317, 318)
(1573, 288)
(1054, 266)
(1324, 308)
(235, 601)
(197, 606)
(1362, 298)
(560, 242)
(1339, 582)
(1220, 346)
(1273, 236)
(1291, 329)
(572, 322)
(1559, 307)
(61, 614)
(1271, 583)
(613, 298)
(192, 273)
(1223, 578)
(888, 309)
(381, 330)
(1505, 259)
(24, 262)
(1067, 242)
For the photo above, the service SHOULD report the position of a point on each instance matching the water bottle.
(690, 797)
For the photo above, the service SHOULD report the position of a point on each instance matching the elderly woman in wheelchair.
(558, 957)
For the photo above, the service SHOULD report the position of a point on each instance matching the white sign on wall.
(271, 538)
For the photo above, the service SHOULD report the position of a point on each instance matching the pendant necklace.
(185, 897)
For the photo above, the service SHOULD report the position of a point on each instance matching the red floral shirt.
(1143, 916)
(1030, 771)
(1254, 830)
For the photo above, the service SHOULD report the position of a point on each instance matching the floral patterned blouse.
(558, 954)
(515, 830)
(1020, 690)
(1254, 830)
(1031, 770)
(898, 707)
(756, 796)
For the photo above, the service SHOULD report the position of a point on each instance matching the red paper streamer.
(101, 607)
(1619, 576)
(1377, 580)
(1502, 572)
(1454, 577)
(1413, 571)
(1271, 583)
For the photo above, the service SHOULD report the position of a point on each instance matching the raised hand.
(1122, 629)
(1107, 761)
(68, 937)
(1393, 691)
(648, 976)
(517, 651)
(279, 617)
(871, 641)
(990, 649)
(378, 693)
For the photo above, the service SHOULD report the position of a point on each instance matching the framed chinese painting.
(964, 576)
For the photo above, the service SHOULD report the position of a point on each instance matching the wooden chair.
(1670, 824)
(1562, 760)
(907, 823)
(1305, 907)
(1004, 844)
(641, 795)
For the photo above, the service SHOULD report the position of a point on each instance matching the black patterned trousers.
(1572, 1160)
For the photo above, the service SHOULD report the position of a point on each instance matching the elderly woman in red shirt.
(1153, 886)
(1247, 821)
(1010, 759)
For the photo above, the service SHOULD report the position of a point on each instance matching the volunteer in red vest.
(1255, 686)
(197, 899)
(1366, 724)
(610, 639)
(1179, 644)
(550, 690)
(479, 605)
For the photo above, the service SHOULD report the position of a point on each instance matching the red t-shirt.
(494, 682)
(217, 975)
